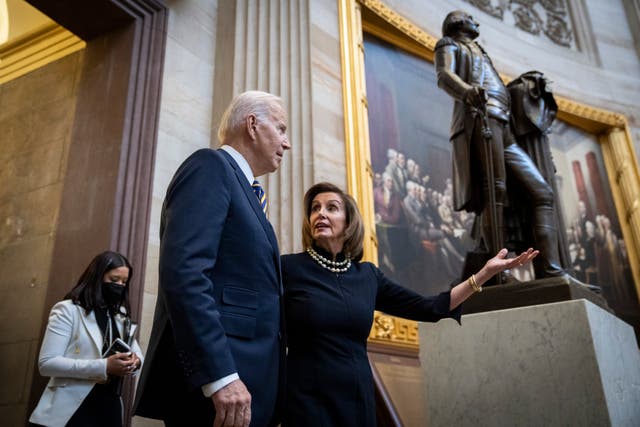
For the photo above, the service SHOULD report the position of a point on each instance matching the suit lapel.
(91, 324)
(257, 209)
(120, 324)
(253, 201)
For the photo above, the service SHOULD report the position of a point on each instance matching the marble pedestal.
(561, 364)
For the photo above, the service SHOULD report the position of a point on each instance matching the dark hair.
(453, 23)
(87, 293)
(353, 233)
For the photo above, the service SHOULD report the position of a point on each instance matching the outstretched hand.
(495, 265)
(500, 262)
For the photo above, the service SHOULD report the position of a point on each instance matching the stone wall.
(36, 118)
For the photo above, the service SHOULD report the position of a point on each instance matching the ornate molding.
(400, 23)
(624, 176)
(497, 11)
(592, 119)
(390, 330)
(549, 17)
(36, 49)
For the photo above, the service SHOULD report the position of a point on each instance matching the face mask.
(112, 293)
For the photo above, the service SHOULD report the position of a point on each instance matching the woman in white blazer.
(77, 352)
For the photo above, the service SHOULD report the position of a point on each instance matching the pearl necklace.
(333, 266)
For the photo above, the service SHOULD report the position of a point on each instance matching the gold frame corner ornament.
(611, 128)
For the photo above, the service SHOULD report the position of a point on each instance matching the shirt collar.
(241, 161)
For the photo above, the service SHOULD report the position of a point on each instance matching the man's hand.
(233, 405)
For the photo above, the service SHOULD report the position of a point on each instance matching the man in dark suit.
(216, 350)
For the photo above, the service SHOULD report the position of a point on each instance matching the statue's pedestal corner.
(564, 363)
(534, 292)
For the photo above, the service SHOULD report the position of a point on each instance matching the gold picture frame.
(374, 17)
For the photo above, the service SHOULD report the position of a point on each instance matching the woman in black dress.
(330, 297)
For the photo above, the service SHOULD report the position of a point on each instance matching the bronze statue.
(533, 110)
(484, 148)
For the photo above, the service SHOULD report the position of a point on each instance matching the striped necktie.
(262, 198)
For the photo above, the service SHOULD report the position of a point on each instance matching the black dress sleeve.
(399, 301)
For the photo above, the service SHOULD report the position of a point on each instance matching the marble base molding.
(534, 292)
(564, 363)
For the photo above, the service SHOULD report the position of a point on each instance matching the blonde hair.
(354, 231)
(259, 103)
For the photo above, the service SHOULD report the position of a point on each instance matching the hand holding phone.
(117, 346)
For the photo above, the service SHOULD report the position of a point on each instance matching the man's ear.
(251, 123)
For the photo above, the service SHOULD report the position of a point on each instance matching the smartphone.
(117, 346)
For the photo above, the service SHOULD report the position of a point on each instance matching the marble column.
(287, 48)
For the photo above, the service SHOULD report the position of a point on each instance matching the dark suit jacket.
(458, 69)
(219, 295)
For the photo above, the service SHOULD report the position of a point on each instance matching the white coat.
(71, 356)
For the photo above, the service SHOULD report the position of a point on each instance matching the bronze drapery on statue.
(533, 110)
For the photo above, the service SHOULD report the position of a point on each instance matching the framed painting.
(422, 241)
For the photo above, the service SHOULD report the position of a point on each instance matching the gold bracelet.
(474, 284)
